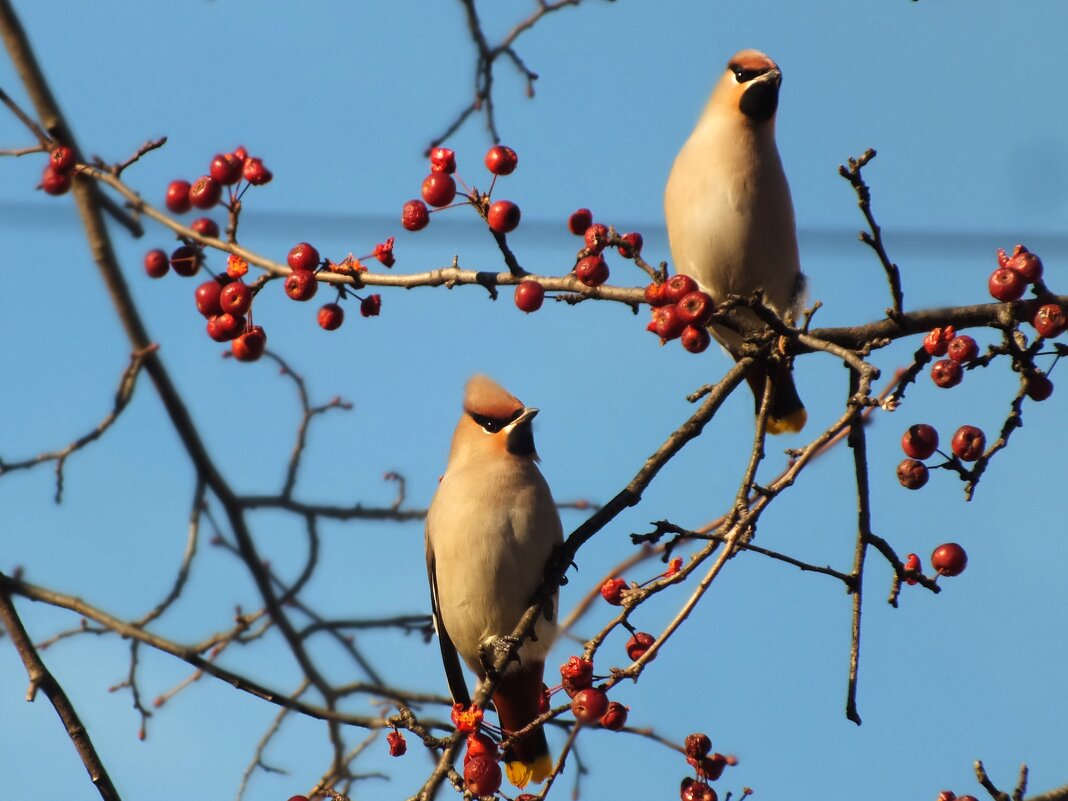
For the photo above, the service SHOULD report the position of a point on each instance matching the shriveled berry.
(442, 159)
(331, 316)
(439, 189)
(1026, 264)
(949, 559)
(177, 199)
(503, 216)
(613, 589)
(529, 295)
(255, 173)
(185, 260)
(592, 270)
(639, 643)
(235, 297)
(969, 443)
(1006, 285)
(250, 345)
(654, 294)
(205, 192)
(595, 238)
(205, 226)
(1039, 387)
(912, 562)
(937, 341)
(695, 339)
(415, 215)
(156, 263)
(576, 674)
(666, 322)
(482, 776)
(303, 256)
(225, 326)
(919, 441)
(479, 744)
(54, 182)
(301, 285)
(709, 767)
(207, 298)
(631, 245)
(371, 306)
(697, 745)
(226, 168)
(589, 705)
(695, 308)
(62, 159)
(912, 474)
(384, 253)
(678, 287)
(947, 373)
(962, 349)
(579, 221)
(397, 744)
(615, 717)
(501, 160)
(1050, 320)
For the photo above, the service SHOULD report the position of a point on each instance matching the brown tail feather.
(518, 702)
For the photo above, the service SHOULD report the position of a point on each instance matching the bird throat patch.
(760, 101)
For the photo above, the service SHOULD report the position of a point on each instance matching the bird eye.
(491, 425)
(743, 75)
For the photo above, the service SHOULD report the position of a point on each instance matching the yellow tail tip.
(522, 773)
(793, 422)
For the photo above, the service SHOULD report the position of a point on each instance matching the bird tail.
(787, 411)
(518, 702)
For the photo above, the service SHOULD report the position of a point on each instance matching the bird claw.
(488, 651)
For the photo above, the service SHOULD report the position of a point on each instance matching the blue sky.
(960, 99)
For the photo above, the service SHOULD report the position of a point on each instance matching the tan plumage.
(730, 219)
(490, 531)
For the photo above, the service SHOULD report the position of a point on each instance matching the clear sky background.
(963, 101)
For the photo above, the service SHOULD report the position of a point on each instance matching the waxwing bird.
(490, 531)
(730, 220)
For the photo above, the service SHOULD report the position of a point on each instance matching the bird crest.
(484, 396)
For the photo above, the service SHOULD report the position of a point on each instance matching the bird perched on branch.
(730, 219)
(490, 531)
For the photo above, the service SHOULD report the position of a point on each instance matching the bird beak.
(771, 76)
(528, 414)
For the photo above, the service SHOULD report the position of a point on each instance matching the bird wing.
(454, 672)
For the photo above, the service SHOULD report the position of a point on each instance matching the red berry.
(529, 296)
(962, 349)
(371, 306)
(255, 173)
(235, 298)
(442, 160)
(62, 159)
(949, 795)
(1039, 387)
(331, 316)
(226, 168)
(205, 226)
(947, 373)
(919, 441)
(439, 189)
(678, 287)
(666, 322)
(615, 717)
(1026, 264)
(589, 705)
(225, 326)
(613, 589)
(949, 559)
(482, 775)
(639, 643)
(501, 160)
(592, 270)
(698, 745)
(937, 341)
(912, 562)
(576, 674)
(967, 798)
(1050, 320)
(415, 215)
(695, 339)
(156, 263)
(54, 182)
(579, 221)
(240, 153)
(177, 199)
(298, 798)
(250, 345)
(303, 257)
(1006, 284)
(503, 216)
(595, 237)
(912, 474)
(207, 298)
(654, 294)
(397, 744)
(631, 245)
(301, 285)
(697, 791)
(478, 744)
(205, 192)
(969, 443)
(695, 308)
(709, 767)
(384, 253)
(185, 260)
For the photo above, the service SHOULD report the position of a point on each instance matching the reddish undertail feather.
(518, 701)
(787, 411)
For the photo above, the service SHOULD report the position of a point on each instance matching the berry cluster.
(948, 559)
(709, 767)
(226, 170)
(681, 310)
(920, 442)
(58, 172)
(589, 704)
(948, 795)
(591, 268)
